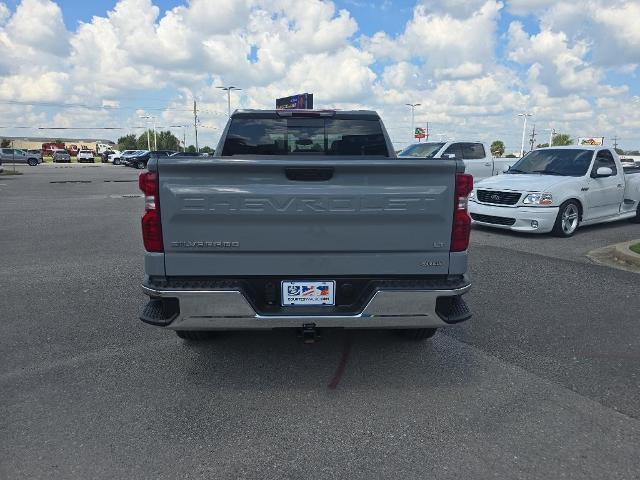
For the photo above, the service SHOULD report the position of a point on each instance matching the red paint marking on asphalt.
(346, 349)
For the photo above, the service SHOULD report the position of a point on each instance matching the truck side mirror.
(506, 168)
(603, 172)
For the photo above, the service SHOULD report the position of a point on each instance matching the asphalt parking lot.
(543, 382)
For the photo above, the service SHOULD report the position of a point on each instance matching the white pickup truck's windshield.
(564, 162)
(422, 150)
(304, 136)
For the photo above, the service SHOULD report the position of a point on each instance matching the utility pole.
(413, 116)
(524, 115)
(155, 139)
(615, 142)
(533, 137)
(228, 90)
(195, 123)
(552, 132)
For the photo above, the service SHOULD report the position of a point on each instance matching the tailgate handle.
(303, 174)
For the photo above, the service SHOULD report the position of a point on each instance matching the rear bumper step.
(229, 309)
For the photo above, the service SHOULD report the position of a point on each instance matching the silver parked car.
(15, 155)
(61, 156)
(36, 152)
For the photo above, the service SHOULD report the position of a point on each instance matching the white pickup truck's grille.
(498, 198)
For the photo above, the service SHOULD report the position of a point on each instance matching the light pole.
(524, 129)
(155, 140)
(184, 135)
(413, 115)
(228, 90)
(552, 132)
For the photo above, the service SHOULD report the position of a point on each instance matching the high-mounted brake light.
(461, 230)
(151, 225)
(305, 113)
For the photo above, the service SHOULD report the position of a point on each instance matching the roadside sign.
(420, 133)
(300, 101)
(593, 141)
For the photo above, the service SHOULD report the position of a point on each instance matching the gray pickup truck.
(305, 219)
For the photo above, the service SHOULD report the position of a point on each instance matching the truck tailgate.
(306, 218)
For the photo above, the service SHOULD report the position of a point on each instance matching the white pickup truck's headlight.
(538, 199)
(472, 196)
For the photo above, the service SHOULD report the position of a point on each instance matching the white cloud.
(446, 57)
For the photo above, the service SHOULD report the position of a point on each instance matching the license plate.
(308, 293)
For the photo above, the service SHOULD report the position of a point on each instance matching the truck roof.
(575, 147)
(306, 113)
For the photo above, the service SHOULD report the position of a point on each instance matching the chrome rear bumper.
(230, 310)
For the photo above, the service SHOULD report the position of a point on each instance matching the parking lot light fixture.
(155, 139)
(524, 129)
(413, 116)
(228, 90)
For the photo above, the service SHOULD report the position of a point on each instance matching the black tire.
(33, 162)
(417, 333)
(139, 165)
(93, 160)
(636, 219)
(193, 335)
(116, 161)
(567, 213)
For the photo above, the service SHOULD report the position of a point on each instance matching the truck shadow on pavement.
(341, 359)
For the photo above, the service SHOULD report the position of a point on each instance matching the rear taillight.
(151, 226)
(461, 229)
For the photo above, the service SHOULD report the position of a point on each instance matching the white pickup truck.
(475, 155)
(557, 190)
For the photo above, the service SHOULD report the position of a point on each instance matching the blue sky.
(472, 64)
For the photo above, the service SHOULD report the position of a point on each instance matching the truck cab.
(476, 156)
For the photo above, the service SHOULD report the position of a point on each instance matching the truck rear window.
(304, 136)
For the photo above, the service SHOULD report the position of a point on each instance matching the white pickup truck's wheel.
(636, 219)
(567, 220)
(417, 333)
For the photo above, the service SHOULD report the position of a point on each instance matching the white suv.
(86, 156)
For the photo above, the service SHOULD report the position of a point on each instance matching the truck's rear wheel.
(417, 333)
(193, 335)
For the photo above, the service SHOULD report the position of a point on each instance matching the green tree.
(206, 149)
(143, 142)
(562, 139)
(128, 142)
(164, 140)
(168, 141)
(6, 143)
(542, 145)
(619, 151)
(191, 149)
(497, 148)
(511, 155)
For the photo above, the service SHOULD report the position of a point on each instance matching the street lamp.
(228, 90)
(155, 140)
(184, 134)
(413, 115)
(524, 115)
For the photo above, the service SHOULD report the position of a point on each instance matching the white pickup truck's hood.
(523, 182)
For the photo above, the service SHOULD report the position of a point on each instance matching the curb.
(622, 253)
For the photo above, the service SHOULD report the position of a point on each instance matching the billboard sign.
(302, 101)
(591, 141)
(420, 133)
